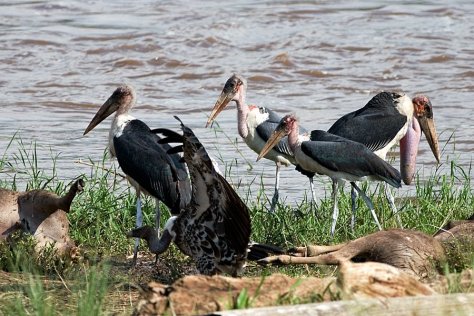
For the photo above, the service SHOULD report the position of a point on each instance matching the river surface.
(60, 60)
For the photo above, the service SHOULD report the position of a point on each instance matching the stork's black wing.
(342, 155)
(265, 130)
(375, 125)
(147, 162)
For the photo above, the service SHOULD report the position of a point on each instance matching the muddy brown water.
(60, 60)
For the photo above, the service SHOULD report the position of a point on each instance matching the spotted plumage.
(214, 229)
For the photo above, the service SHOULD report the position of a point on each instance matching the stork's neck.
(242, 113)
(122, 116)
(405, 107)
(294, 137)
(118, 124)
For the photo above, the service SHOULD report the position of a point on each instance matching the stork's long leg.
(369, 203)
(335, 209)
(139, 223)
(391, 202)
(277, 185)
(313, 198)
(158, 218)
(354, 207)
(157, 223)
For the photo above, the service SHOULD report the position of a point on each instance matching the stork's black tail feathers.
(259, 251)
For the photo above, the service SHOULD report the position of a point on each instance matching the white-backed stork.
(387, 119)
(336, 157)
(255, 125)
(146, 163)
(214, 229)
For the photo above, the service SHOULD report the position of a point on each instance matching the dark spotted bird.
(148, 166)
(336, 157)
(214, 229)
(255, 125)
(387, 119)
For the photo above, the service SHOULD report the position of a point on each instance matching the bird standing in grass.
(146, 163)
(255, 125)
(336, 157)
(387, 119)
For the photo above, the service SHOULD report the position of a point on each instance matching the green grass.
(102, 283)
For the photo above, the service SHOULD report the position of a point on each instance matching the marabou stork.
(255, 125)
(214, 229)
(146, 163)
(389, 118)
(336, 157)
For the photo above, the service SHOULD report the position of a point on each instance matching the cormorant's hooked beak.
(224, 99)
(109, 107)
(279, 133)
(427, 125)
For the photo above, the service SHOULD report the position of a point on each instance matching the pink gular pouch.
(408, 151)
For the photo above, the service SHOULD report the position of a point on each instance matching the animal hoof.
(270, 260)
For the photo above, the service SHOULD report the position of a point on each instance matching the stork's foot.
(313, 209)
(274, 202)
(399, 221)
(135, 249)
(134, 260)
(396, 213)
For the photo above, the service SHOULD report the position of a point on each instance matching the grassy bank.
(102, 281)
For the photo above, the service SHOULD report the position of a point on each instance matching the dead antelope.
(40, 213)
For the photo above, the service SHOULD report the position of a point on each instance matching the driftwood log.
(436, 305)
(40, 213)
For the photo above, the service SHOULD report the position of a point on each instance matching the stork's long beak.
(428, 127)
(276, 136)
(224, 99)
(109, 107)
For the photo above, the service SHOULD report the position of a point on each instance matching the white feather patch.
(116, 130)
